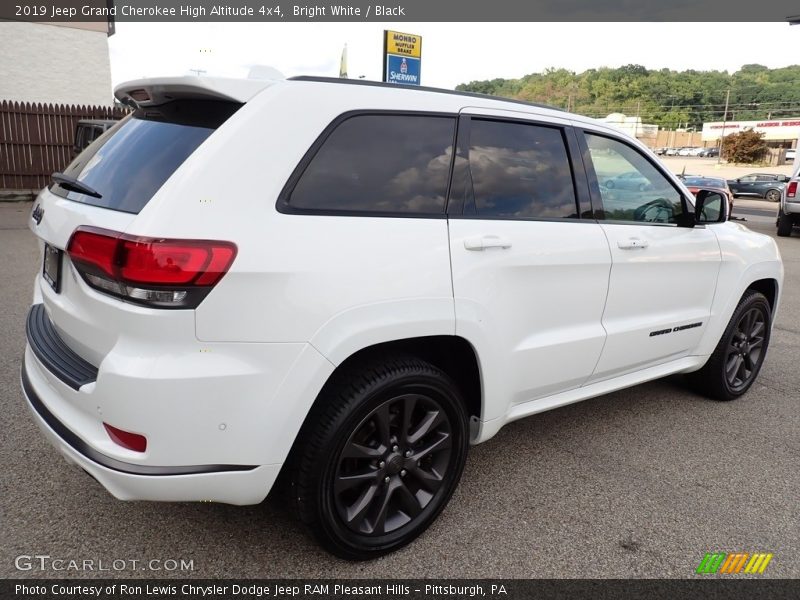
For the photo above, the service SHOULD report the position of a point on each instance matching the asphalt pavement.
(639, 483)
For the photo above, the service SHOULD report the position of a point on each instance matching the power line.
(650, 111)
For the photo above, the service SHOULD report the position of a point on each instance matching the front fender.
(746, 257)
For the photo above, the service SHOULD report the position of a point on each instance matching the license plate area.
(51, 269)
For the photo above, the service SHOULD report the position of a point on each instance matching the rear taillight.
(791, 189)
(162, 273)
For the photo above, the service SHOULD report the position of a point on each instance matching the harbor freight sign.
(402, 57)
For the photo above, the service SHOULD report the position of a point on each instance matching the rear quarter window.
(394, 164)
(130, 162)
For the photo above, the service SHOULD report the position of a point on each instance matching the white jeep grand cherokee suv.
(351, 283)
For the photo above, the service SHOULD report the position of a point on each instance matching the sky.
(452, 53)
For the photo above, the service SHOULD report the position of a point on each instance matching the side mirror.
(710, 207)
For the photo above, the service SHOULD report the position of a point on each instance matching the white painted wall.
(53, 64)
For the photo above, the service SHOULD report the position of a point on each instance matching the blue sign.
(403, 69)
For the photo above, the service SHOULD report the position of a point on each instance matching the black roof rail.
(420, 88)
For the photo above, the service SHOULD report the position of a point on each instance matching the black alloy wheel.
(379, 455)
(745, 348)
(736, 361)
(393, 464)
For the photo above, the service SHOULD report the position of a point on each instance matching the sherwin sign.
(402, 57)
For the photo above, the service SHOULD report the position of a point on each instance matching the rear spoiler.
(154, 91)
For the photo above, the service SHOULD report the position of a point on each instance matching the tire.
(363, 476)
(785, 224)
(737, 359)
(610, 184)
(773, 196)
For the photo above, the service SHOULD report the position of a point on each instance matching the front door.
(664, 272)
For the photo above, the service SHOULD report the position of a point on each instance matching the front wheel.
(379, 457)
(737, 359)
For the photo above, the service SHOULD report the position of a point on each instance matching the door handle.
(486, 241)
(632, 244)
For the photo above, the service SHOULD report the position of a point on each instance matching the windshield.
(130, 162)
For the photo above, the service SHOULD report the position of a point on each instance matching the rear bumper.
(53, 353)
(231, 484)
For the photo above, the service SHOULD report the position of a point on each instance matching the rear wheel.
(380, 456)
(785, 224)
(737, 359)
(773, 195)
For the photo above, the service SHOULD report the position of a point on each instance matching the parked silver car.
(789, 209)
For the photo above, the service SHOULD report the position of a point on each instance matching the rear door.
(664, 271)
(764, 183)
(530, 266)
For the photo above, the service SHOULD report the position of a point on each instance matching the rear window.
(396, 164)
(130, 162)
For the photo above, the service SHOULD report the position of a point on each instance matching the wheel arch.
(768, 287)
(762, 279)
(452, 354)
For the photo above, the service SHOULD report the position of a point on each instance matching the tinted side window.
(380, 163)
(631, 187)
(520, 171)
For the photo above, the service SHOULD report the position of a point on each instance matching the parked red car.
(697, 182)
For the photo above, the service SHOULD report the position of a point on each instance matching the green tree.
(665, 97)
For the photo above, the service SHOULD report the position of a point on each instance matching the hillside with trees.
(670, 99)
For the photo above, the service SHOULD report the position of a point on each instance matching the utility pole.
(724, 122)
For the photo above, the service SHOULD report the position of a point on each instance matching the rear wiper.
(73, 185)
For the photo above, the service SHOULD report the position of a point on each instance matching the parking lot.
(710, 167)
(639, 483)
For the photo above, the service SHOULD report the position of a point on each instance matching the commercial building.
(778, 133)
(59, 63)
